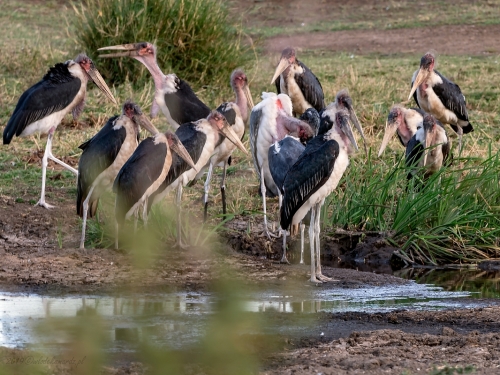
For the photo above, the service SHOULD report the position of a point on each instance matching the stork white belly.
(433, 105)
(54, 119)
(324, 191)
(160, 100)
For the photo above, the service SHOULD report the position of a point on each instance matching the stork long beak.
(143, 121)
(428, 134)
(248, 95)
(280, 68)
(346, 128)
(180, 150)
(131, 50)
(355, 121)
(419, 79)
(99, 81)
(390, 130)
(228, 132)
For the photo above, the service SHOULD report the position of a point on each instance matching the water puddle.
(179, 319)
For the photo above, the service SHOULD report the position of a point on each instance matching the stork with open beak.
(313, 177)
(403, 121)
(296, 80)
(104, 155)
(439, 96)
(429, 149)
(42, 107)
(173, 96)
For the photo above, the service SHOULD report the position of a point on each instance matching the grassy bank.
(457, 213)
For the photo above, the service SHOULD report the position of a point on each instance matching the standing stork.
(173, 95)
(282, 155)
(104, 155)
(403, 121)
(236, 114)
(313, 177)
(141, 175)
(439, 96)
(42, 107)
(199, 138)
(296, 80)
(270, 121)
(429, 148)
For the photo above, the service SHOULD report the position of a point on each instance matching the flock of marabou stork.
(300, 160)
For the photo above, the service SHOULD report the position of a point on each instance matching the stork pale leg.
(319, 274)
(207, 190)
(85, 210)
(178, 202)
(223, 189)
(302, 229)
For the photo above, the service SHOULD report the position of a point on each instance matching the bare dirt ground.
(39, 248)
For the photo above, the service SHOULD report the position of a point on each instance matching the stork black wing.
(278, 84)
(280, 162)
(452, 98)
(255, 118)
(305, 177)
(228, 111)
(193, 141)
(54, 92)
(99, 153)
(137, 175)
(184, 106)
(414, 151)
(311, 88)
(415, 93)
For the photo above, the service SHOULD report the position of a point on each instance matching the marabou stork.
(199, 139)
(439, 96)
(404, 122)
(173, 95)
(296, 80)
(41, 108)
(282, 155)
(429, 148)
(141, 175)
(270, 121)
(236, 114)
(313, 177)
(104, 155)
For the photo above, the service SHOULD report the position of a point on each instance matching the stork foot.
(44, 204)
(315, 280)
(284, 259)
(270, 235)
(180, 245)
(324, 278)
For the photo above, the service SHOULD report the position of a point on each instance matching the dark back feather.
(280, 162)
(184, 106)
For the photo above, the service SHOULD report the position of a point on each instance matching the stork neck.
(241, 102)
(154, 69)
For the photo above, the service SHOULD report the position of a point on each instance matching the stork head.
(395, 120)
(176, 146)
(311, 116)
(87, 65)
(429, 126)
(427, 63)
(220, 124)
(141, 51)
(343, 100)
(239, 81)
(133, 112)
(288, 57)
(343, 128)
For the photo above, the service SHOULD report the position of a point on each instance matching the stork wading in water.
(173, 95)
(42, 107)
(403, 121)
(282, 155)
(429, 148)
(313, 177)
(270, 121)
(236, 114)
(440, 97)
(104, 155)
(296, 80)
(141, 175)
(199, 138)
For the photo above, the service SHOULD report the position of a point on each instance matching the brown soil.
(413, 342)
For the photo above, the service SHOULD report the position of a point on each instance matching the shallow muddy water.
(179, 319)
